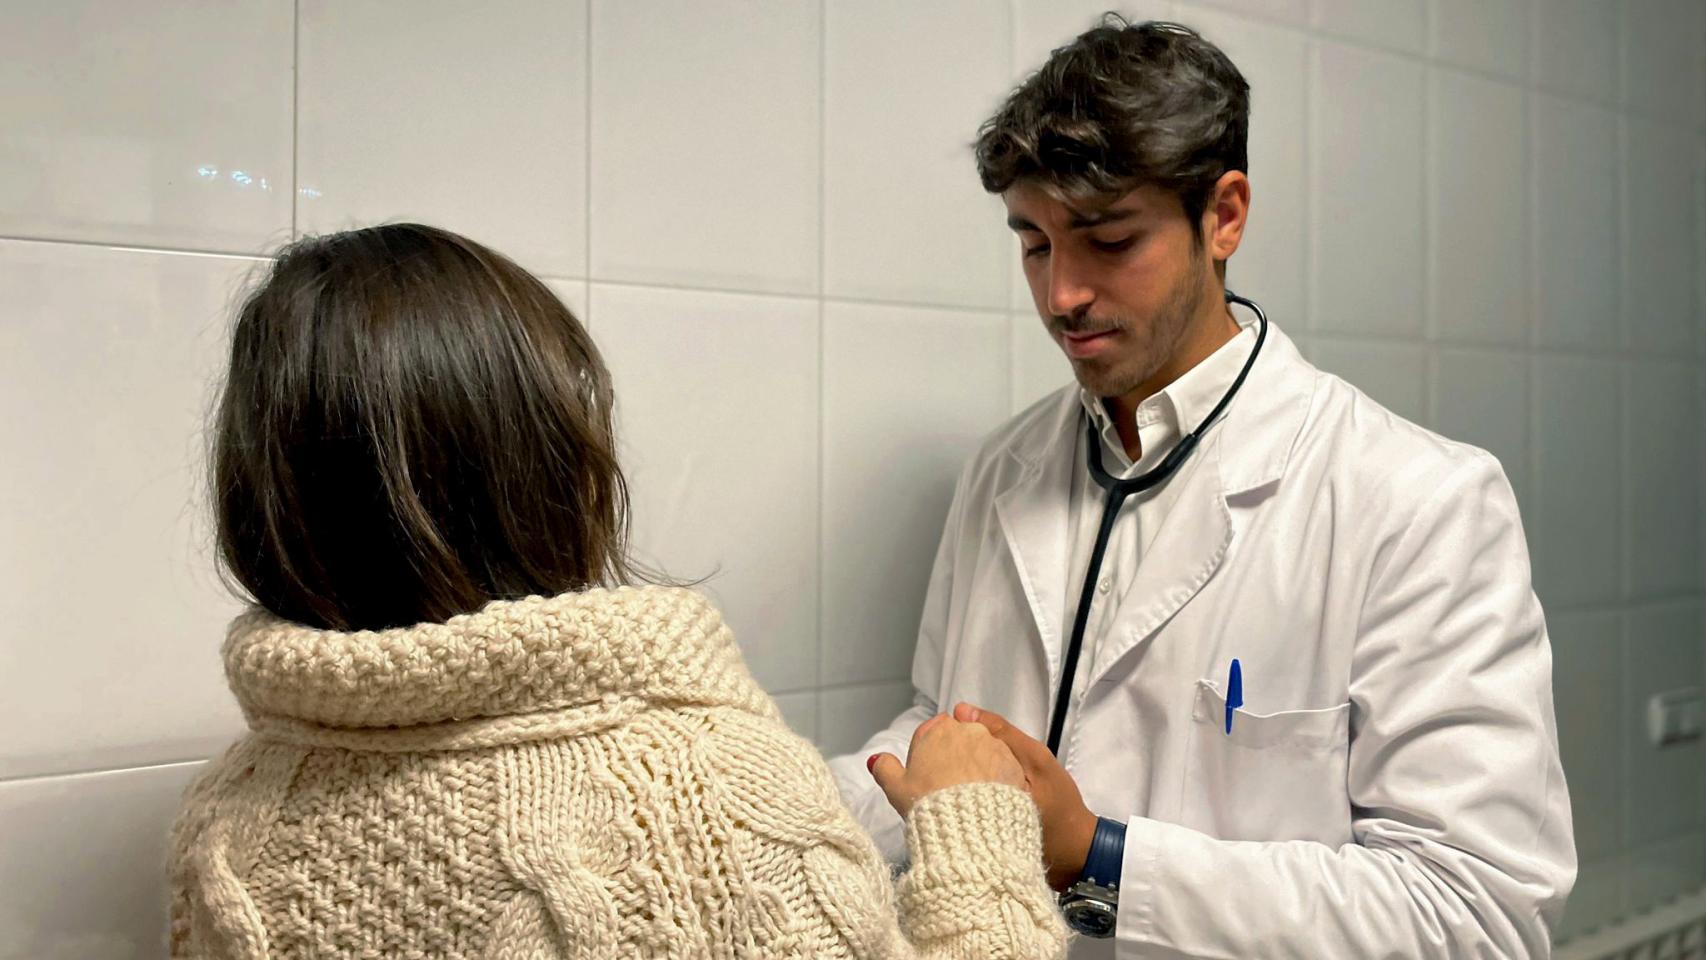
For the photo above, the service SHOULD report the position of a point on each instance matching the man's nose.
(1067, 293)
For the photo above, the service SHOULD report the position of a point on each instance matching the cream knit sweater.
(591, 775)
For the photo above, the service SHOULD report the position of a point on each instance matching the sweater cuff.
(976, 888)
(975, 833)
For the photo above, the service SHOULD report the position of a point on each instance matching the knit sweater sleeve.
(976, 888)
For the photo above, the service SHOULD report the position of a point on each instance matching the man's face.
(1118, 282)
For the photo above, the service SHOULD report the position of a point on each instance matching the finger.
(1030, 752)
(888, 771)
(995, 722)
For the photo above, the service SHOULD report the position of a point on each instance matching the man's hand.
(1068, 825)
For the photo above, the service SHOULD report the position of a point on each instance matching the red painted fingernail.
(871, 763)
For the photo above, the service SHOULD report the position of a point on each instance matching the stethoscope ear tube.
(1118, 490)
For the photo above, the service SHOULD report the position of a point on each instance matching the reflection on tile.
(1662, 652)
(848, 716)
(83, 863)
(907, 219)
(1587, 687)
(502, 157)
(1478, 289)
(107, 357)
(696, 180)
(908, 393)
(1661, 485)
(1577, 483)
(717, 403)
(1367, 264)
(147, 124)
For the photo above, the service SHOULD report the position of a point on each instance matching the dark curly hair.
(1121, 106)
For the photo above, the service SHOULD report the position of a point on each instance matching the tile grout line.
(1430, 233)
(122, 247)
(1625, 805)
(1531, 363)
(587, 103)
(1306, 323)
(295, 115)
(822, 361)
(1513, 350)
(1311, 193)
(28, 778)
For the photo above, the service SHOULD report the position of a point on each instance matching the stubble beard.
(1152, 347)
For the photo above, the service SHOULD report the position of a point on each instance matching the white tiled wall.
(1490, 214)
(441, 112)
(162, 126)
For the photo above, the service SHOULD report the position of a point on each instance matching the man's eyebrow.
(1081, 220)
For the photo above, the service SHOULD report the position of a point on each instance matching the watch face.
(1092, 918)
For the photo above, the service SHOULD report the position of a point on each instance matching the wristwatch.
(1091, 905)
(1091, 909)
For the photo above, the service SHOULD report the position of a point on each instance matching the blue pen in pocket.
(1234, 692)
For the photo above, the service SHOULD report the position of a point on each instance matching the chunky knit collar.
(522, 664)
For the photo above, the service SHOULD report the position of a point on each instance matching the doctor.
(1385, 780)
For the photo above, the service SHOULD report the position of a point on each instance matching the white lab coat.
(1391, 786)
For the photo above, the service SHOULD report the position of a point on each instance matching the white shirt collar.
(1165, 416)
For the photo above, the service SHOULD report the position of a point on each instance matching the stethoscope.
(1118, 490)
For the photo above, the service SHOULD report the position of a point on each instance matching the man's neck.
(1209, 333)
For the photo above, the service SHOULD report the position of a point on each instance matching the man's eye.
(1036, 251)
(1113, 246)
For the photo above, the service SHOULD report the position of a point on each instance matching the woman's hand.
(944, 753)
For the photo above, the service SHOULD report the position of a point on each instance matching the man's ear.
(1225, 214)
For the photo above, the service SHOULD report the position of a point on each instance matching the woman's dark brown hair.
(412, 426)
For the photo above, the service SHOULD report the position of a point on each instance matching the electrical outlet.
(1676, 715)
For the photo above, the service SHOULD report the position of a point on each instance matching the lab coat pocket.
(1276, 776)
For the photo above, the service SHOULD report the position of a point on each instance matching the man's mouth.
(1080, 346)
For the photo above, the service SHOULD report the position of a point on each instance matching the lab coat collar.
(1256, 438)
(1177, 408)
(1248, 450)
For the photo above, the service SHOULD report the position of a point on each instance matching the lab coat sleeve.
(1461, 823)
(861, 794)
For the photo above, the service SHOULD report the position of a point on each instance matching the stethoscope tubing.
(1117, 492)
